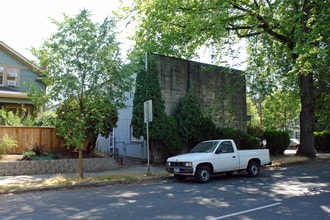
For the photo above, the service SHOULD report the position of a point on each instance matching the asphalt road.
(295, 192)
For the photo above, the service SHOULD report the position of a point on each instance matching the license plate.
(176, 170)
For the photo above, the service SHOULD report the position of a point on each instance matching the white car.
(294, 143)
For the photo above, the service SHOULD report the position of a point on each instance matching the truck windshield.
(205, 147)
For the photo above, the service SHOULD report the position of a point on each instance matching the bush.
(173, 145)
(277, 141)
(242, 139)
(6, 143)
(255, 131)
(322, 140)
(46, 119)
(207, 129)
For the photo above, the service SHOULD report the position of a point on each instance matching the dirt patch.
(10, 158)
(65, 154)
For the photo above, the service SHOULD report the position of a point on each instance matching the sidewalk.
(124, 169)
(140, 168)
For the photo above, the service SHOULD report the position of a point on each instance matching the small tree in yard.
(83, 72)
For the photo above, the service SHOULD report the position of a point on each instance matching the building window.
(9, 76)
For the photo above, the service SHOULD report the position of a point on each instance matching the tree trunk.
(307, 99)
(91, 145)
(80, 164)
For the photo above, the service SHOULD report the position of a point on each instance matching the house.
(221, 91)
(15, 70)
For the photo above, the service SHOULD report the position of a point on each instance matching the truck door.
(225, 157)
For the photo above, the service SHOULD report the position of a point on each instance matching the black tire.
(180, 177)
(203, 174)
(253, 168)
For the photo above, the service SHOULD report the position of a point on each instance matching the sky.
(26, 23)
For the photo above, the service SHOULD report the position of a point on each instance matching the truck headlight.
(168, 163)
(188, 164)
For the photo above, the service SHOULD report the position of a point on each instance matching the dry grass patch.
(60, 180)
(281, 160)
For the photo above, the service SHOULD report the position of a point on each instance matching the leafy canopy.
(288, 33)
(83, 71)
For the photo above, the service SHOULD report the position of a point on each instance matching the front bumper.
(180, 170)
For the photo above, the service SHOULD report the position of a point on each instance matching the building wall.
(221, 91)
(25, 75)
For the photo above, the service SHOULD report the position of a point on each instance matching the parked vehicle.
(294, 143)
(217, 156)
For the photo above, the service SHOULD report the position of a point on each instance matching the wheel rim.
(254, 170)
(205, 175)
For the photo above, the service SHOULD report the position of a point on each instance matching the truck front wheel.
(253, 168)
(203, 174)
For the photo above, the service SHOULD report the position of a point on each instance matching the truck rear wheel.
(253, 168)
(203, 174)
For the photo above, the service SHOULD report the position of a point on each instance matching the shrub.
(322, 140)
(46, 119)
(255, 131)
(207, 129)
(277, 141)
(242, 139)
(6, 143)
(173, 144)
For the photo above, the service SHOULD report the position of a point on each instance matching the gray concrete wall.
(221, 91)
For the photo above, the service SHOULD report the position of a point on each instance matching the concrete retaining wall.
(56, 166)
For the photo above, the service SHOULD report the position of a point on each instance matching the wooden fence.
(29, 137)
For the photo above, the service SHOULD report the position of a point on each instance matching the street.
(294, 192)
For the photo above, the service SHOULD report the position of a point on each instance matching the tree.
(147, 88)
(281, 111)
(293, 31)
(189, 116)
(84, 74)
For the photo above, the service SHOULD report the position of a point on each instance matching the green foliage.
(6, 143)
(281, 111)
(71, 124)
(253, 109)
(255, 131)
(189, 116)
(8, 118)
(36, 92)
(322, 140)
(46, 119)
(288, 40)
(173, 144)
(207, 129)
(322, 99)
(242, 139)
(147, 88)
(277, 141)
(83, 71)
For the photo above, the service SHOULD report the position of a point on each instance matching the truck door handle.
(234, 156)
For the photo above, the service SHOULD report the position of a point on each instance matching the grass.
(59, 180)
(62, 181)
(281, 160)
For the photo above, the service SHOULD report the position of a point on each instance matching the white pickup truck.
(217, 156)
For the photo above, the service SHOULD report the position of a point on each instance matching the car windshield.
(205, 147)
